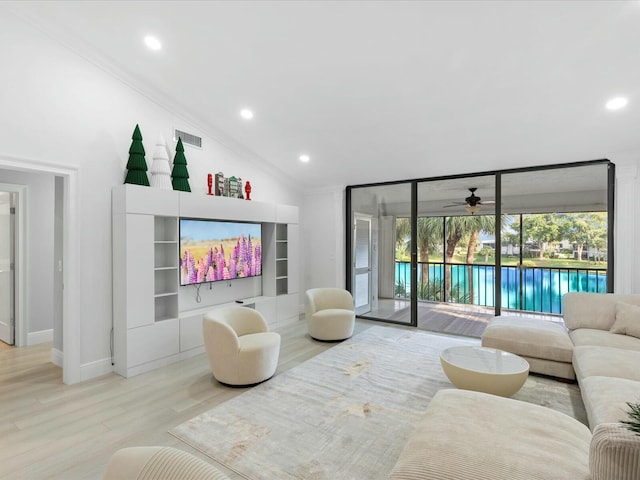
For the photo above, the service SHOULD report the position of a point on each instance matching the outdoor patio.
(452, 319)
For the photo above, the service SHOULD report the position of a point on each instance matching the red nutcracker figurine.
(247, 190)
(209, 184)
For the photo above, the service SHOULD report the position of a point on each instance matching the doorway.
(69, 354)
(13, 265)
(362, 263)
(375, 274)
(7, 265)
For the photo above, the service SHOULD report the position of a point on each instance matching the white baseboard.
(95, 369)
(162, 362)
(284, 322)
(57, 357)
(34, 338)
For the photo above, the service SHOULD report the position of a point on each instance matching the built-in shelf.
(165, 230)
(165, 294)
(281, 250)
(282, 266)
(166, 307)
(282, 286)
(165, 255)
(165, 261)
(156, 321)
(281, 232)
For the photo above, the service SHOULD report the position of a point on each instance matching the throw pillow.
(627, 320)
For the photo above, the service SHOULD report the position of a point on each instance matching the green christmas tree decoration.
(136, 165)
(180, 175)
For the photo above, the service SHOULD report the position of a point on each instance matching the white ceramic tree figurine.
(160, 168)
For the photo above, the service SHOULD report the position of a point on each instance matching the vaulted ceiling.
(376, 90)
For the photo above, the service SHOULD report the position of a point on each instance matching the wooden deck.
(453, 319)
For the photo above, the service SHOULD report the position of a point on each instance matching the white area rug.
(344, 414)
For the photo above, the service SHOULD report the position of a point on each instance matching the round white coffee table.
(484, 369)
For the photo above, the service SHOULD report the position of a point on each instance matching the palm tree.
(403, 232)
(456, 228)
(429, 232)
(402, 241)
(481, 223)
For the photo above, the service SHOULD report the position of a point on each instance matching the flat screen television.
(212, 250)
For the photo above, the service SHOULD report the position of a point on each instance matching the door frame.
(369, 218)
(71, 337)
(20, 330)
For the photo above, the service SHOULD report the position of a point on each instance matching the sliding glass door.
(456, 263)
(379, 258)
(450, 253)
(555, 232)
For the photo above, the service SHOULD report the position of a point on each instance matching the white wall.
(59, 108)
(322, 239)
(39, 255)
(627, 228)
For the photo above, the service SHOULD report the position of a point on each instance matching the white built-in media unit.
(155, 320)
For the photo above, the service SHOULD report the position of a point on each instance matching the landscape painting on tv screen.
(212, 251)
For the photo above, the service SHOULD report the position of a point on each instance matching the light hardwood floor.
(49, 430)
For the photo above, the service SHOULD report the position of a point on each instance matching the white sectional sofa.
(607, 364)
(470, 435)
(467, 435)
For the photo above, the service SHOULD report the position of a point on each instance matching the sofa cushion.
(468, 435)
(591, 361)
(614, 453)
(627, 320)
(593, 310)
(550, 368)
(332, 324)
(603, 338)
(530, 337)
(605, 398)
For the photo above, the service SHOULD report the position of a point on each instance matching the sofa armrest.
(614, 453)
(153, 463)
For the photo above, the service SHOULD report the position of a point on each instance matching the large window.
(511, 240)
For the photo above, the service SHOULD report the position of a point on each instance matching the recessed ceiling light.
(304, 158)
(246, 113)
(152, 42)
(617, 103)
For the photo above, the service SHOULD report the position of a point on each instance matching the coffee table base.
(504, 384)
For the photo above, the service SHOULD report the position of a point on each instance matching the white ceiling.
(377, 91)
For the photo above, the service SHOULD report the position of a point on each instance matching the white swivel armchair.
(239, 345)
(330, 313)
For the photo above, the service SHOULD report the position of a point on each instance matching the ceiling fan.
(472, 202)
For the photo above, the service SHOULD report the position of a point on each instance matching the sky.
(200, 230)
